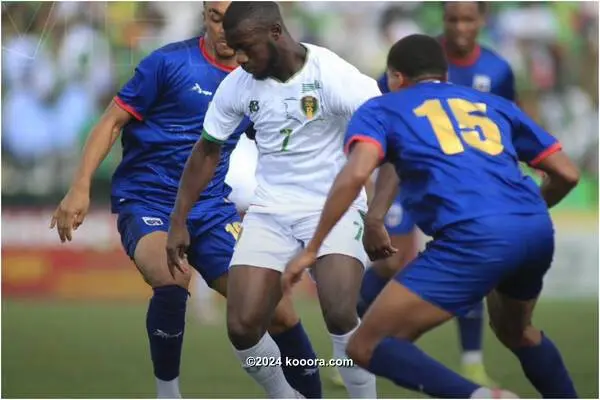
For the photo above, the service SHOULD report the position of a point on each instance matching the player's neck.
(209, 49)
(462, 58)
(292, 57)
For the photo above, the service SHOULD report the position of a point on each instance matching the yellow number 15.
(447, 135)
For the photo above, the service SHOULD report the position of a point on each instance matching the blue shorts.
(212, 235)
(398, 222)
(467, 260)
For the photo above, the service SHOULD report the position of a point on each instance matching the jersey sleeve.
(225, 112)
(367, 125)
(532, 143)
(141, 91)
(350, 89)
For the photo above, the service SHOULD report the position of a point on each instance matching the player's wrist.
(374, 219)
(81, 185)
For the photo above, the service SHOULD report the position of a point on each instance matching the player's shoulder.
(491, 56)
(172, 52)
(328, 60)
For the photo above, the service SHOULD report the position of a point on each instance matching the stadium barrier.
(35, 265)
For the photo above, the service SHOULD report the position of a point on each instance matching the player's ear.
(276, 31)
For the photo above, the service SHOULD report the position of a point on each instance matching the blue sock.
(294, 344)
(546, 371)
(409, 367)
(372, 285)
(165, 322)
(470, 328)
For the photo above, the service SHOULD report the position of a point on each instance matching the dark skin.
(398, 312)
(462, 23)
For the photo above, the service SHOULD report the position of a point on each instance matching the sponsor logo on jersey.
(310, 106)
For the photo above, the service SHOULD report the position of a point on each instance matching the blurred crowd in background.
(62, 62)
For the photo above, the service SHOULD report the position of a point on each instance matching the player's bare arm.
(71, 211)
(363, 160)
(376, 239)
(562, 175)
(198, 172)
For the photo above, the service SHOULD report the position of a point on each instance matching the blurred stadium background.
(73, 314)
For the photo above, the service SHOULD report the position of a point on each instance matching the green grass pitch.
(99, 350)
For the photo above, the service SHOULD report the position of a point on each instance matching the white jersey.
(241, 174)
(300, 126)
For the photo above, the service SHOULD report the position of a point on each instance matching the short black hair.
(417, 56)
(481, 6)
(263, 13)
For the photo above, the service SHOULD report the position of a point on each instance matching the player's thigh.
(512, 303)
(254, 279)
(407, 245)
(396, 312)
(213, 240)
(143, 233)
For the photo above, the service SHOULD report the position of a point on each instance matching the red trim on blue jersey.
(464, 61)
(365, 139)
(546, 153)
(211, 59)
(118, 101)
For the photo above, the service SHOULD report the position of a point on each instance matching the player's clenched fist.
(376, 240)
(70, 213)
(178, 242)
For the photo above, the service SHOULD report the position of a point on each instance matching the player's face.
(462, 22)
(255, 49)
(213, 21)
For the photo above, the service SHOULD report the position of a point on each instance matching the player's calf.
(253, 294)
(165, 319)
(338, 280)
(541, 361)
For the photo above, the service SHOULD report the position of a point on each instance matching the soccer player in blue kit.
(457, 152)
(161, 114)
(472, 65)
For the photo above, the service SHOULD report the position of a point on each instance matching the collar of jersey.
(291, 78)
(211, 59)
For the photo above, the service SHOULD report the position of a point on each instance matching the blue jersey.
(484, 70)
(168, 96)
(456, 151)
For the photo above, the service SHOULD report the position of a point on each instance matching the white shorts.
(271, 240)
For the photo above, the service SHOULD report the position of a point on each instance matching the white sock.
(204, 300)
(361, 384)
(270, 378)
(167, 389)
(472, 357)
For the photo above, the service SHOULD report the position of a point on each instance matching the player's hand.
(295, 268)
(70, 213)
(178, 243)
(376, 240)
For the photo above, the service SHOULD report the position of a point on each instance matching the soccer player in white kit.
(300, 98)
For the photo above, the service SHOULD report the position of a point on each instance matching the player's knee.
(387, 268)
(340, 319)
(156, 277)
(244, 329)
(284, 318)
(360, 350)
(514, 337)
